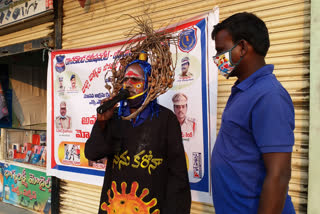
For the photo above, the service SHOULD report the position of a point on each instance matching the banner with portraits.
(76, 80)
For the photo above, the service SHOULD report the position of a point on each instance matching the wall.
(314, 146)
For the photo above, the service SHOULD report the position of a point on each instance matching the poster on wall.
(189, 100)
(76, 80)
(27, 188)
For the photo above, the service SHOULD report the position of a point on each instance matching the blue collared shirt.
(258, 119)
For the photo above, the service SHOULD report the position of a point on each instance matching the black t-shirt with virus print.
(146, 167)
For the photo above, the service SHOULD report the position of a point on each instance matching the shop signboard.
(27, 188)
(12, 11)
(76, 87)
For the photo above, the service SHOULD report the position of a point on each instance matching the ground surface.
(6, 208)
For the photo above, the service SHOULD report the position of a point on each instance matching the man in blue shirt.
(251, 159)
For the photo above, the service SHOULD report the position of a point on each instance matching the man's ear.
(244, 47)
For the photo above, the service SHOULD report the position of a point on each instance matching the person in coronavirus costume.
(146, 170)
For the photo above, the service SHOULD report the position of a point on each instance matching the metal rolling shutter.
(289, 27)
(105, 21)
(43, 30)
(79, 198)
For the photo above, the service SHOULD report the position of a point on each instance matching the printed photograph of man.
(185, 65)
(66, 152)
(180, 107)
(73, 84)
(61, 87)
(72, 152)
(63, 121)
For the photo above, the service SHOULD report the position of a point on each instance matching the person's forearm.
(97, 146)
(273, 194)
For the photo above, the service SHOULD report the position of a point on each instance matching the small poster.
(27, 188)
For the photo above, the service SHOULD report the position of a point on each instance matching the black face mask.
(136, 102)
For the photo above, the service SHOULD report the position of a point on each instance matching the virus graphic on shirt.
(123, 203)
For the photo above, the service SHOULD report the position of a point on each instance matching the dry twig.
(156, 44)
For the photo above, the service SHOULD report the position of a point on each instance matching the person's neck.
(248, 68)
(132, 110)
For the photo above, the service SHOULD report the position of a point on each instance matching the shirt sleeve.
(273, 123)
(178, 195)
(99, 144)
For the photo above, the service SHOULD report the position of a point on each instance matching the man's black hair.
(246, 26)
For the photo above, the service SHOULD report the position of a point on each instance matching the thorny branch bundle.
(143, 38)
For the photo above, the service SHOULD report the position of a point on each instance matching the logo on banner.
(60, 66)
(197, 167)
(187, 39)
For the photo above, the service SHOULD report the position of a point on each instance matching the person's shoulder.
(271, 86)
(164, 111)
(167, 115)
(271, 92)
(58, 118)
(191, 120)
(267, 85)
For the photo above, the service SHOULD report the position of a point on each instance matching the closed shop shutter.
(79, 198)
(107, 21)
(43, 30)
(289, 26)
